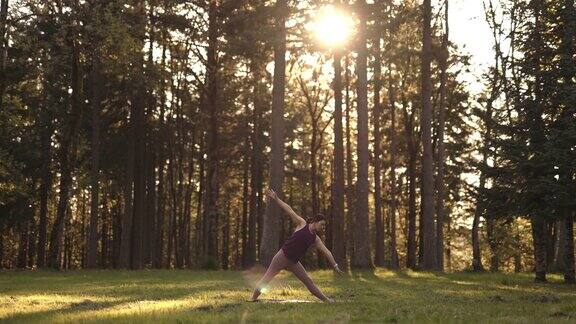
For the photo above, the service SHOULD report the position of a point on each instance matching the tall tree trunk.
(349, 243)
(200, 196)
(67, 160)
(148, 232)
(480, 208)
(31, 249)
(139, 188)
(314, 146)
(379, 244)
(448, 244)
(338, 238)
(173, 216)
(105, 243)
(45, 184)
(188, 202)
(116, 230)
(150, 147)
(65, 264)
(442, 107)
(138, 100)
(245, 198)
(185, 224)
(104, 237)
(494, 245)
(96, 85)
(412, 156)
(428, 237)
(3, 46)
(539, 238)
(393, 250)
(568, 243)
(476, 253)
(256, 165)
(84, 223)
(126, 228)
(151, 201)
(237, 241)
(537, 141)
(23, 243)
(551, 233)
(568, 47)
(177, 182)
(212, 188)
(179, 214)
(560, 247)
(171, 228)
(362, 258)
(271, 225)
(421, 231)
(226, 237)
(314, 167)
(158, 246)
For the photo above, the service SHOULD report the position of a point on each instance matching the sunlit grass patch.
(22, 305)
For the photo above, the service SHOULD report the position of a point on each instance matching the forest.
(142, 134)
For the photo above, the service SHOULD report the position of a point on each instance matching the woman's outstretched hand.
(270, 194)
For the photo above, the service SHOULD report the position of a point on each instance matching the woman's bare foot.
(255, 295)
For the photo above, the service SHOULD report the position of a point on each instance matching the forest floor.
(157, 296)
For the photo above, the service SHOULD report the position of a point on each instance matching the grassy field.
(221, 296)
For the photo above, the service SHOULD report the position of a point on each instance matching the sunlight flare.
(332, 27)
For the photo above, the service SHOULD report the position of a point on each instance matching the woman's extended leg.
(279, 262)
(300, 273)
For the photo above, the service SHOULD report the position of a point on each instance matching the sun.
(332, 27)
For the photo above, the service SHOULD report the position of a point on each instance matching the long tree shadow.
(85, 305)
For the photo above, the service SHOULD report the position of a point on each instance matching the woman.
(288, 257)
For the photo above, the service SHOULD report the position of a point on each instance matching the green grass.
(219, 296)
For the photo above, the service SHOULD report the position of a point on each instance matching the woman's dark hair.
(314, 219)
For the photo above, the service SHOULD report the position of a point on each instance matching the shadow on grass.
(85, 305)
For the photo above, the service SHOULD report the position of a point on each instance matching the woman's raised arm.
(271, 195)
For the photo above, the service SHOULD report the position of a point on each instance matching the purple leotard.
(295, 247)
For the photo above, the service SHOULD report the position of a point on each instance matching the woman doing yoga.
(288, 257)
